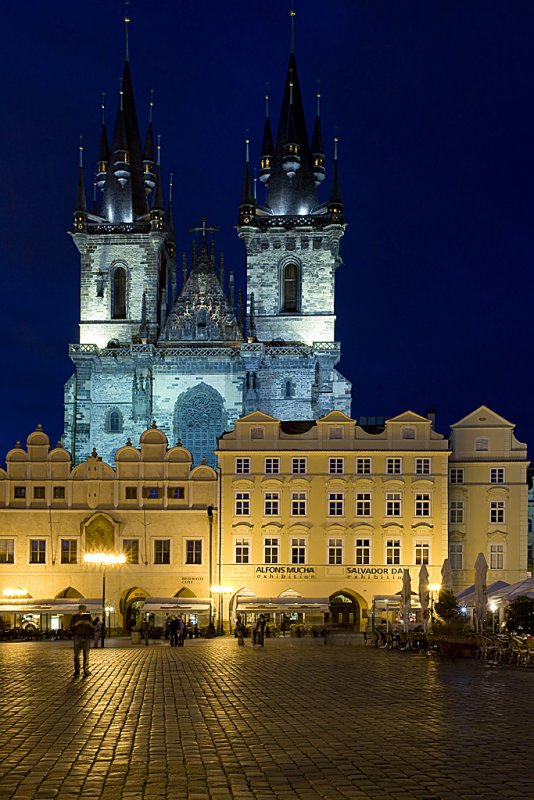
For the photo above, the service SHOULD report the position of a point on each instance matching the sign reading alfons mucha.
(301, 572)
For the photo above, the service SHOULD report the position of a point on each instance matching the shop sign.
(374, 573)
(299, 573)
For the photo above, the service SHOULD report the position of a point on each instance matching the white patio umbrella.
(424, 594)
(481, 590)
(446, 576)
(406, 598)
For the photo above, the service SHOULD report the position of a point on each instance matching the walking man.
(82, 634)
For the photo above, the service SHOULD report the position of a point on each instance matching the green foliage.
(520, 615)
(447, 607)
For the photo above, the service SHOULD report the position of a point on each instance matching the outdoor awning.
(288, 604)
(58, 605)
(179, 604)
(467, 597)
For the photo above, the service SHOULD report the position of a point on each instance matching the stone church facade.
(182, 350)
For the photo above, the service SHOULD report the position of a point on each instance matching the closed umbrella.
(481, 590)
(406, 598)
(446, 576)
(424, 594)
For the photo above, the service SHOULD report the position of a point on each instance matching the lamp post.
(209, 512)
(104, 560)
(493, 609)
(387, 615)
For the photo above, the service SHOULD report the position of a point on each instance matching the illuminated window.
(290, 288)
(422, 505)
(496, 556)
(119, 293)
(130, 548)
(393, 551)
(7, 551)
(393, 504)
(298, 551)
(242, 551)
(69, 551)
(363, 504)
(422, 552)
(298, 504)
(272, 548)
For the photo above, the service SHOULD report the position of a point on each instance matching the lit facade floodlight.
(104, 560)
(11, 594)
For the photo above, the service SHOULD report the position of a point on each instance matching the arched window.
(288, 390)
(199, 418)
(290, 288)
(119, 293)
(114, 421)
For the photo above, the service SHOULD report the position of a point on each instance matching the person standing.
(260, 630)
(240, 631)
(174, 630)
(82, 633)
(98, 632)
(182, 632)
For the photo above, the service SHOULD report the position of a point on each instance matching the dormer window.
(257, 433)
(335, 433)
(482, 443)
(408, 433)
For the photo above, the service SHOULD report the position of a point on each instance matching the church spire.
(317, 145)
(247, 207)
(149, 161)
(103, 160)
(335, 204)
(267, 147)
(80, 212)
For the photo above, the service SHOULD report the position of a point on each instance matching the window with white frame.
(335, 433)
(408, 433)
(422, 466)
(298, 551)
(497, 508)
(242, 504)
(298, 504)
(393, 551)
(7, 551)
(497, 475)
(363, 466)
(37, 551)
(393, 504)
(456, 555)
(272, 466)
(335, 551)
(456, 475)
(496, 556)
(422, 504)
(298, 466)
(456, 512)
(336, 466)
(193, 551)
(272, 504)
(272, 550)
(363, 504)
(363, 551)
(242, 466)
(162, 551)
(242, 551)
(393, 466)
(482, 443)
(335, 504)
(69, 551)
(422, 551)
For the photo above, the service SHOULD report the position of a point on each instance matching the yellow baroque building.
(154, 507)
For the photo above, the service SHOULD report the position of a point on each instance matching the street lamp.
(104, 560)
(209, 512)
(220, 591)
(493, 609)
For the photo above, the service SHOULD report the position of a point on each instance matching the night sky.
(434, 105)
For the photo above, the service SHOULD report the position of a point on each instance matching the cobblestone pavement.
(294, 719)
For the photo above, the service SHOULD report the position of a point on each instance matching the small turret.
(80, 212)
(267, 147)
(149, 161)
(291, 147)
(319, 172)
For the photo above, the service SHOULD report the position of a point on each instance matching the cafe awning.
(175, 604)
(280, 604)
(57, 605)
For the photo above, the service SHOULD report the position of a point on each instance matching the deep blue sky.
(434, 106)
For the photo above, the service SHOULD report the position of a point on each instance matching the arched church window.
(290, 287)
(114, 421)
(288, 389)
(199, 418)
(119, 293)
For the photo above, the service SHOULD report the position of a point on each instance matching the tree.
(447, 607)
(520, 615)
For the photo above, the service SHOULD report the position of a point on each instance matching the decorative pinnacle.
(126, 23)
(159, 150)
(318, 98)
(103, 107)
(336, 140)
(170, 187)
(95, 176)
(81, 151)
(151, 105)
(121, 94)
(291, 87)
(292, 15)
(247, 154)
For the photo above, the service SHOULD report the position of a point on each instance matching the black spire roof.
(297, 195)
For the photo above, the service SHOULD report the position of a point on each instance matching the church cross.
(204, 229)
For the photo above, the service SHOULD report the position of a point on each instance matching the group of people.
(177, 631)
(258, 631)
